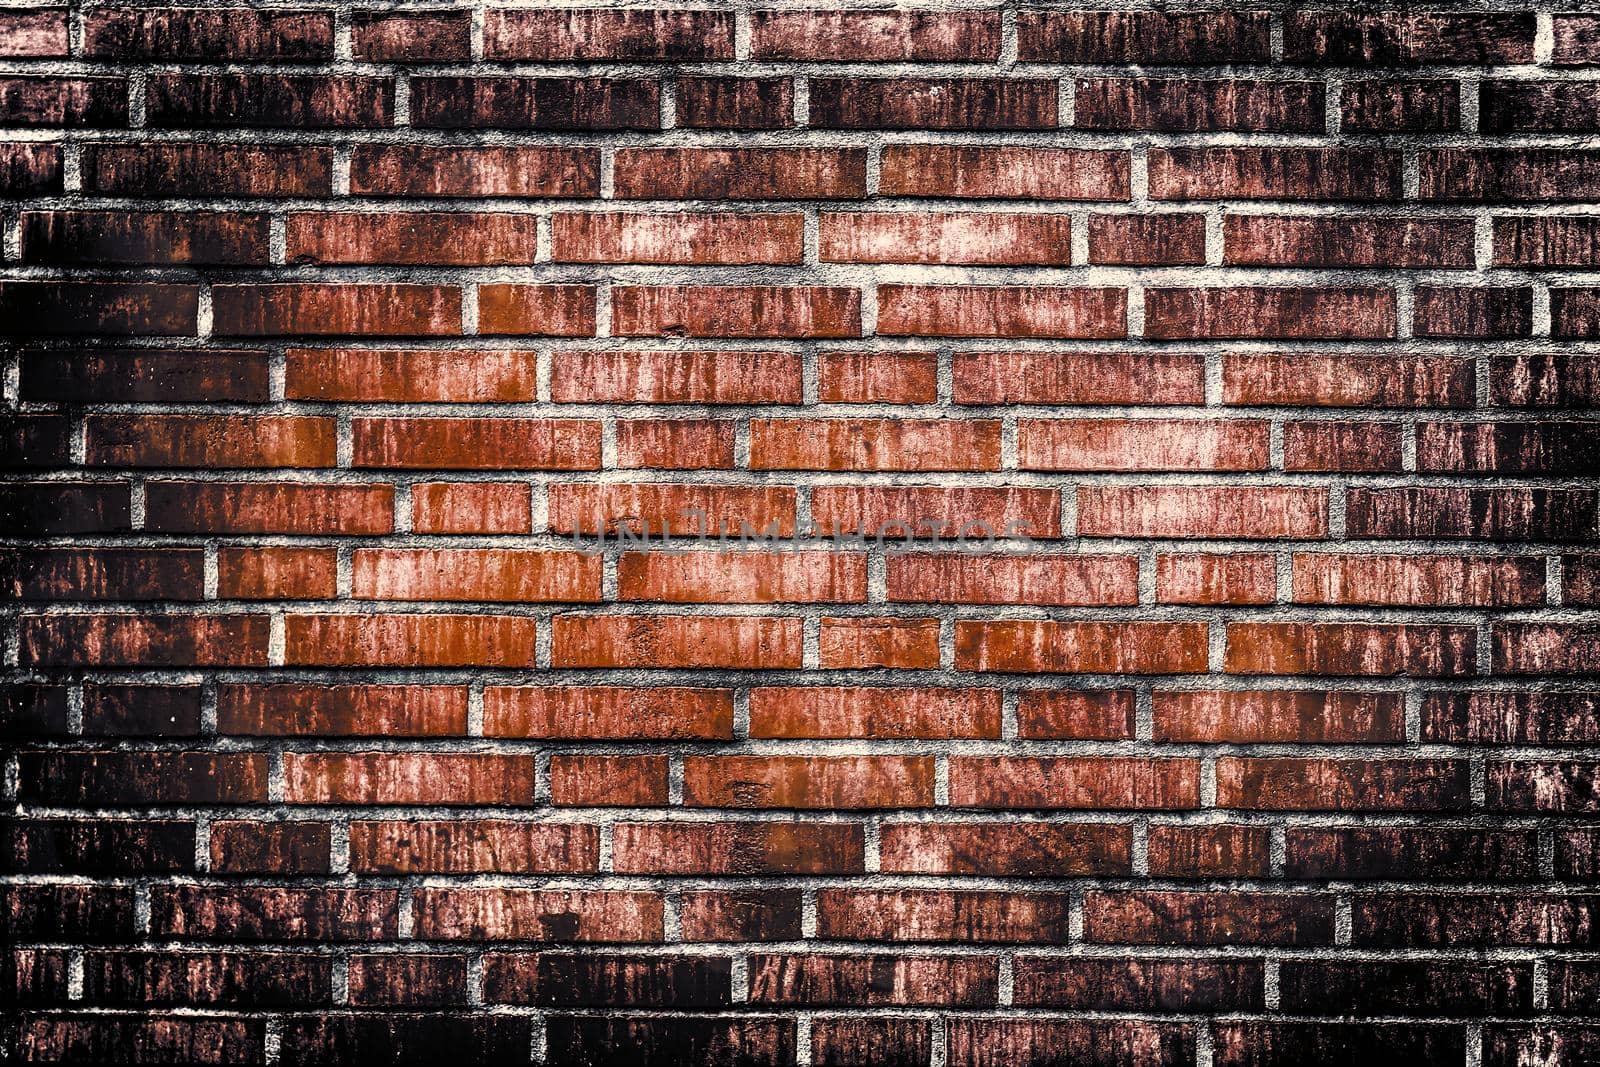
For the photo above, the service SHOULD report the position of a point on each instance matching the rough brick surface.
(967, 532)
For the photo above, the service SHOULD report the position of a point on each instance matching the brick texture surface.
(968, 533)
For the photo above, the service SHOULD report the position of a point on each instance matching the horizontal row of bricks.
(1358, 649)
(75, 375)
(1099, 313)
(1013, 849)
(505, 576)
(601, 916)
(621, 713)
(829, 783)
(834, 1041)
(120, 979)
(778, 238)
(808, 444)
(1340, 38)
(52, 508)
(599, 104)
(1352, 174)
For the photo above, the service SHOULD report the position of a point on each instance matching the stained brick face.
(977, 533)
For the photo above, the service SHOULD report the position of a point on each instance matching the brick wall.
(345, 727)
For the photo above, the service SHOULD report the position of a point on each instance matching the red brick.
(1216, 578)
(195, 34)
(600, 713)
(474, 574)
(474, 171)
(741, 577)
(472, 847)
(408, 980)
(1445, 581)
(1427, 853)
(1556, 106)
(293, 709)
(57, 101)
(207, 170)
(1279, 716)
(1067, 714)
(942, 915)
(1141, 444)
(1269, 312)
(741, 173)
(1074, 782)
(269, 507)
(877, 377)
(1207, 918)
(981, 239)
(209, 441)
(1510, 718)
(120, 309)
(608, 781)
(30, 168)
(470, 507)
(491, 914)
(104, 237)
(33, 33)
(1479, 174)
(735, 311)
(277, 574)
(1320, 241)
(1400, 106)
(598, 104)
(933, 103)
(1401, 38)
(537, 310)
(129, 640)
(178, 1039)
(868, 642)
(1545, 380)
(738, 848)
(1506, 447)
(306, 101)
(675, 444)
(103, 574)
(1143, 37)
(1226, 851)
(751, 915)
(1405, 919)
(826, 782)
(407, 778)
(874, 444)
(972, 172)
(741, 643)
(1253, 513)
(1565, 786)
(1081, 647)
(735, 103)
(1459, 311)
(1139, 984)
(1532, 648)
(974, 513)
(962, 578)
(876, 712)
(286, 848)
(1183, 104)
(431, 37)
(92, 779)
(1347, 381)
(284, 310)
(676, 378)
(1147, 240)
(580, 35)
(1002, 311)
(1011, 849)
(1342, 446)
(476, 444)
(853, 981)
(409, 640)
(1342, 784)
(1440, 512)
(876, 36)
(1373, 649)
(145, 376)
(701, 239)
(412, 237)
(1073, 378)
(1275, 173)
(663, 507)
